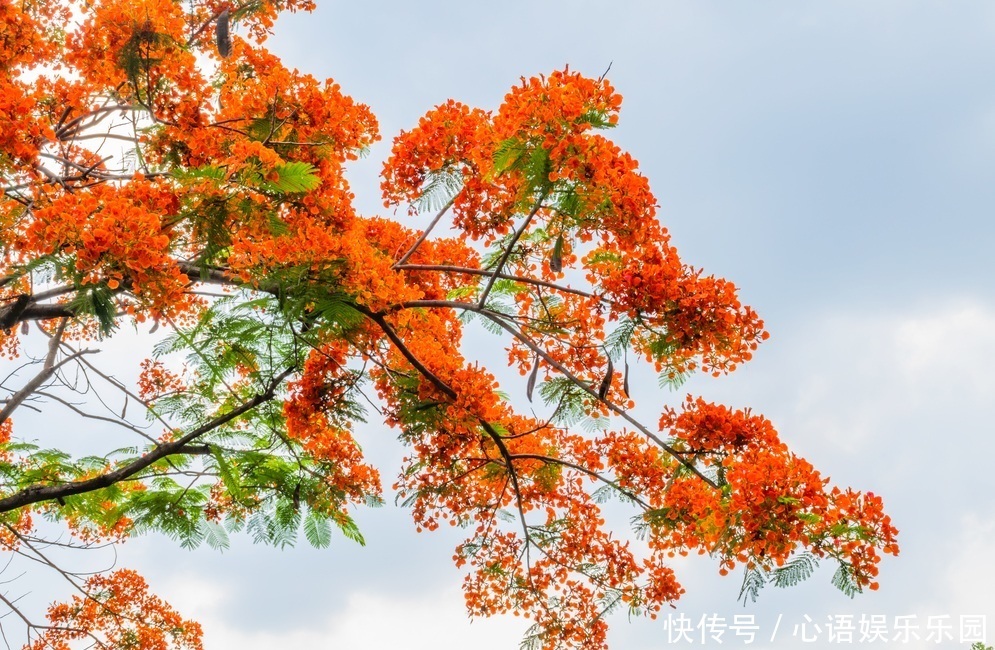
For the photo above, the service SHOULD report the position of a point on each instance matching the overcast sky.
(835, 160)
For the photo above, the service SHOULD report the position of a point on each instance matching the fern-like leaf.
(753, 581)
(844, 580)
(317, 531)
(797, 570)
(294, 178)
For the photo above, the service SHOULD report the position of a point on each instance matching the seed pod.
(625, 381)
(222, 34)
(530, 386)
(606, 382)
(556, 261)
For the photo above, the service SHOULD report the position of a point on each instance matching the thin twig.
(39, 493)
(504, 276)
(511, 247)
(424, 235)
(36, 382)
(499, 319)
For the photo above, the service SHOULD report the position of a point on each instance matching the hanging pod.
(556, 260)
(222, 34)
(606, 382)
(625, 381)
(530, 386)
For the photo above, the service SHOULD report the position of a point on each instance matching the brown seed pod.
(625, 383)
(606, 382)
(532, 379)
(223, 35)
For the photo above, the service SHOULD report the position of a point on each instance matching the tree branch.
(424, 235)
(584, 470)
(511, 246)
(505, 276)
(49, 368)
(499, 320)
(38, 493)
(11, 315)
(513, 475)
(403, 349)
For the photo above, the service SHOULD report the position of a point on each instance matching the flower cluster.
(118, 612)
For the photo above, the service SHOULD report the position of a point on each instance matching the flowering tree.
(162, 173)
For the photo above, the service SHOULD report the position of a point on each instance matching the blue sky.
(835, 160)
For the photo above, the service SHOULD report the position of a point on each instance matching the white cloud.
(434, 620)
(957, 344)
(860, 381)
(962, 576)
(968, 578)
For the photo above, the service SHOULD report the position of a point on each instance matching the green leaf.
(207, 171)
(261, 128)
(350, 529)
(294, 178)
(506, 155)
(259, 526)
(317, 530)
(618, 339)
(278, 226)
(441, 187)
(537, 170)
(458, 293)
(227, 474)
(97, 301)
(753, 582)
(844, 581)
(673, 379)
(794, 571)
(215, 535)
(597, 119)
(191, 536)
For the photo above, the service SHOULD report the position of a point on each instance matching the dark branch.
(499, 320)
(38, 493)
(403, 349)
(504, 276)
(580, 468)
(11, 315)
(511, 246)
(424, 235)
